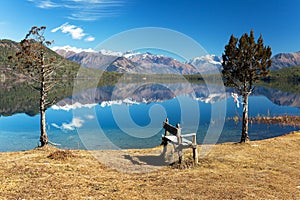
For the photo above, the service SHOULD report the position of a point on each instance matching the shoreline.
(150, 148)
(158, 146)
(261, 120)
(283, 120)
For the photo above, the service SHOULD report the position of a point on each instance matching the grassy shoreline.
(283, 120)
(265, 169)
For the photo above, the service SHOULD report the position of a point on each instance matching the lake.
(131, 116)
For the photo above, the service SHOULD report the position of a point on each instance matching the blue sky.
(87, 23)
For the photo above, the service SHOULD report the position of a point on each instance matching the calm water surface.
(135, 121)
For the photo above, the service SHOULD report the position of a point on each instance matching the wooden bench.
(178, 140)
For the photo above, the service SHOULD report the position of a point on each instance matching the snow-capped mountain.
(153, 64)
(207, 64)
(210, 58)
(68, 48)
(135, 62)
(110, 53)
(130, 54)
(131, 62)
(126, 63)
(87, 57)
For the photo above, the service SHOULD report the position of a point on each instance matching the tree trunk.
(245, 136)
(43, 137)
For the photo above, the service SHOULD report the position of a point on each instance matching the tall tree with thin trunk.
(244, 62)
(33, 61)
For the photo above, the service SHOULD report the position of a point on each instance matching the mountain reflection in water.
(146, 104)
(152, 92)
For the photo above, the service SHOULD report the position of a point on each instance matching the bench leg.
(180, 154)
(165, 144)
(164, 151)
(195, 155)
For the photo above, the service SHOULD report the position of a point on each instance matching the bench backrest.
(172, 129)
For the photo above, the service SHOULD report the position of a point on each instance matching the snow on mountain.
(207, 64)
(130, 54)
(68, 48)
(155, 64)
(111, 53)
(210, 58)
(148, 57)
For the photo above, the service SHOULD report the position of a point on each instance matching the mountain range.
(146, 63)
(153, 64)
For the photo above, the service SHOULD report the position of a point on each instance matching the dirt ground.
(267, 169)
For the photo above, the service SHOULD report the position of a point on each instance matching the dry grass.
(267, 169)
(61, 155)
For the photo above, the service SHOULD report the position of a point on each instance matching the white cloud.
(83, 10)
(75, 123)
(47, 4)
(76, 32)
(89, 39)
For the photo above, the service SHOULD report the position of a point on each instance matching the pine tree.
(244, 62)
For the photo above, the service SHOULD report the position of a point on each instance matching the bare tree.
(35, 62)
(244, 62)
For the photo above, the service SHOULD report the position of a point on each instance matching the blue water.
(138, 126)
